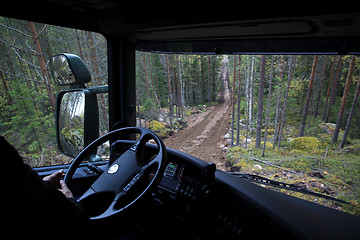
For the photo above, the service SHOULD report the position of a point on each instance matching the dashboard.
(193, 198)
(186, 178)
(181, 180)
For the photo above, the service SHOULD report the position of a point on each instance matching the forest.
(298, 112)
(279, 90)
(27, 97)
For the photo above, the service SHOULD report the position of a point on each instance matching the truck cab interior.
(165, 193)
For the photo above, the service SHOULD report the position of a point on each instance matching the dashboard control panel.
(182, 181)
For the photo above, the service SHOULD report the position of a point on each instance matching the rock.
(305, 144)
(328, 128)
(257, 167)
(246, 127)
(246, 142)
(222, 146)
(158, 127)
(235, 168)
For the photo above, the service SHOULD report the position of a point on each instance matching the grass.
(337, 174)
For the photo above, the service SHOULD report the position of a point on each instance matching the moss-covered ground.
(327, 170)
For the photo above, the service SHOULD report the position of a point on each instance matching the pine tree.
(348, 123)
(308, 97)
(344, 98)
(260, 102)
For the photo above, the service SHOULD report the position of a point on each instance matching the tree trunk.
(329, 88)
(180, 62)
(343, 101)
(260, 102)
(251, 83)
(2, 76)
(40, 57)
(268, 105)
(145, 74)
(308, 97)
(77, 35)
(95, 63)
(348, 123)
(278, 109)
(208, 79)
(156, 99)
(8, 96)
(223, 76)
(320, 87)
(282, 123)
(177, 88)
(238, 107)
(332, 97)
(233, 92)
(169, 89)
(202, 81)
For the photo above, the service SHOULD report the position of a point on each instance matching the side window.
(27, 97)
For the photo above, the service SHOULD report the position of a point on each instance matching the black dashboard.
(182, 180)
(186, 181)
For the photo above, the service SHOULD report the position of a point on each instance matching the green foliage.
(149, 110)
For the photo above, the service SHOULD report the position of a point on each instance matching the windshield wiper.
(288, 186)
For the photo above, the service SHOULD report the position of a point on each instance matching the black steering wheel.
(125, 172)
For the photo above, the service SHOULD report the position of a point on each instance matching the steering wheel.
(124, 173)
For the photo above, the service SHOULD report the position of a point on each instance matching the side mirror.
(68, 69)
(77, 123)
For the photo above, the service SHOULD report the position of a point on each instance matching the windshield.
(290, 118)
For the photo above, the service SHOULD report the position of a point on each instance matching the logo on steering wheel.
(113, 168)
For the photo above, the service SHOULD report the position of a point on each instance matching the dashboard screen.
(170, 180)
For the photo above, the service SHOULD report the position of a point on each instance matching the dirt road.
(204, 135)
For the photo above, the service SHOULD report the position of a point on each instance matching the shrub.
(237, 150)
(268, 145)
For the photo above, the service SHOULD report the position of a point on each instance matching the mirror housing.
(77, 120)
(69, 69)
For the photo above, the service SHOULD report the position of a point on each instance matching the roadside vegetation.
(337, 174)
